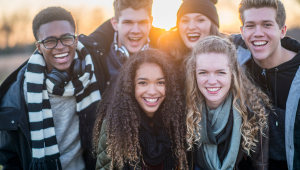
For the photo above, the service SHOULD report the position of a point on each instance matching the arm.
(8, 155)
(260, 156)
(104, 35)
(103, 162)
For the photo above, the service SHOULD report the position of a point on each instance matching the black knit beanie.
(205, 7)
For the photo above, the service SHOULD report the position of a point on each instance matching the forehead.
(193, 15)
(55, 29)
(144, 68)
(134, 15)
(212, 61)
(260, 14)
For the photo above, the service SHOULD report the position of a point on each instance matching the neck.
(279, 56)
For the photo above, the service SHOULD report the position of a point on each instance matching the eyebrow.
(141, 78)
(262, 21)
(206, 70)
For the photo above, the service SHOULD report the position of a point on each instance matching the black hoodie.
(276, 82)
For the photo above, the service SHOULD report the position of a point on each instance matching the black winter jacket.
(15, 140)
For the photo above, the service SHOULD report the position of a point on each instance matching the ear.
(242, 32)
(283, 31)
(38, 46)
(76, 41)
(151, 20)
(114, 23)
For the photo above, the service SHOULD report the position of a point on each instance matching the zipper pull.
(264, 72)
(276, 123)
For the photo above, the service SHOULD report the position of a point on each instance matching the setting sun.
(164, 13)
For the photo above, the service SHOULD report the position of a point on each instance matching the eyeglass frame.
(42, 41)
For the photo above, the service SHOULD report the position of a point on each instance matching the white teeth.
(193, 35)
(260, 42)
(151, 100)
(61, 55)
(213, 89)
(135, 39)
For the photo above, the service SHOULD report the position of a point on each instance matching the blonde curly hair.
(242, 89)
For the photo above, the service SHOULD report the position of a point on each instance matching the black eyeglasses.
(51, 43)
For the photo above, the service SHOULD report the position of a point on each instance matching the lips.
(213, 90)
(151, 101)
(61, 58)
(193, 37)
(134, 40)
(259, 43)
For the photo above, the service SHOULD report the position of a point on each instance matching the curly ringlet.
(243, 90)
(120, 110)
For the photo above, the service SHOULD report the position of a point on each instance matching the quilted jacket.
(103, 162)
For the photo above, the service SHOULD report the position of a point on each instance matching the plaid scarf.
(45, 153)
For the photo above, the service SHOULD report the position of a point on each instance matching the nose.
(135, 28)
(212, 80)
(191, 25)
(152, 89)
(59, 45)
(258, 31)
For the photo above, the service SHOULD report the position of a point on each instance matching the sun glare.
(164, 13)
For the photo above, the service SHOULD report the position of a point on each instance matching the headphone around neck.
(61, 78)
(123, 49)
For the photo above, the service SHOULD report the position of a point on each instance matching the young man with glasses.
(273, 62)
(48, 104)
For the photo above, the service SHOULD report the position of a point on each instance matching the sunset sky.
(164, 14)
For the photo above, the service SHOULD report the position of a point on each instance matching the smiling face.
(213, 77)
(149, 87)
(133, 28)
(194, 27)
(61, 56)
(262, 34)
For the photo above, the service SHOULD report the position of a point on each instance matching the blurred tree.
(14, 26)
(8, 23)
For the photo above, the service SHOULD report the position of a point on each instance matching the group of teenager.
(130, 96)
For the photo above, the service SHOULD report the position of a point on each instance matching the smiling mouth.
(151, 101)
(61, 57)
(135, 40)
(259, 43)
(213, 90)
(193, 37)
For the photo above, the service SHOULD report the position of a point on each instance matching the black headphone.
(61, 78)
(123, 49)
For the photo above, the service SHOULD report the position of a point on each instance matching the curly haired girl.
(226, 113)
(140, 124)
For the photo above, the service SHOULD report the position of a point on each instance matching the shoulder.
(12, 100)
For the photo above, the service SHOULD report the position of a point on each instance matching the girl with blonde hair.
(226, 113)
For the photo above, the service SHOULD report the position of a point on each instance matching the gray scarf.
(221, 121)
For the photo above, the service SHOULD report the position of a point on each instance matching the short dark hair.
(50, 14)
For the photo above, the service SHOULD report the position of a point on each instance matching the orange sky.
(164, 14)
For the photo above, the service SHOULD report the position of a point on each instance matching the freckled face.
(149, 87)
(213, 77)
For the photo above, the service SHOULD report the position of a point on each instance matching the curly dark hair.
(120, 110)
(50, 14)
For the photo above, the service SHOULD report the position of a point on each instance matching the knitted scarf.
(155, 143)
(220, 137)
(45, 153)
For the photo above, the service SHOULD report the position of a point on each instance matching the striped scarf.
(45, 153)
